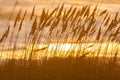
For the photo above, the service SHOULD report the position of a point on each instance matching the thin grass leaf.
(98, 34)
(87, 12)
(103, 12)
(83, 10)
(22, 20)
(107, 21)
(69, 11)
(34, 26)
(17, 18)
(60, 11)
(53, 12)
(5, 35)
(33, 12)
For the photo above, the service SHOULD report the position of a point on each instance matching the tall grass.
(58, 27)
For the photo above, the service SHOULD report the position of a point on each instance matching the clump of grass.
(73, 25)
(61, 25)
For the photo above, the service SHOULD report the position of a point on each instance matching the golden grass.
(60, 27)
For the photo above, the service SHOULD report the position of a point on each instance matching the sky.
(6, 6)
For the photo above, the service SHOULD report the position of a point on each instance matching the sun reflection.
(64, 50)
(66, 47)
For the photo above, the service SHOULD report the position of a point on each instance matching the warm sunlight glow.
(66, 47)
(64, 50)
